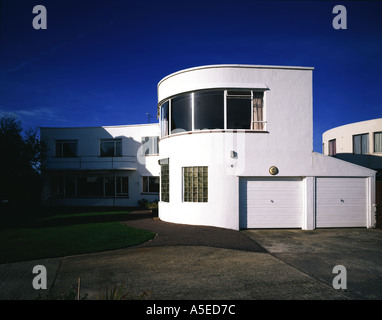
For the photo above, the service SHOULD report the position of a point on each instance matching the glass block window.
(164, 180)
(195, 184)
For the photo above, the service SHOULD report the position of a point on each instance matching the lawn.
(70, 234)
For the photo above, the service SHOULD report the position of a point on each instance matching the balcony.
(92, 163)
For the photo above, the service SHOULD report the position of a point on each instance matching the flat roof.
(247, 66)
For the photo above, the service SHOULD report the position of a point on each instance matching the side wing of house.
(101, 166)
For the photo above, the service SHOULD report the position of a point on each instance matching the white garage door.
(341, 202)
(270, 203)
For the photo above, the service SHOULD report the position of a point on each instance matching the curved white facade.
(359, 142)
(232, 162)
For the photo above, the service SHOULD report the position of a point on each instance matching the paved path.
(187, 262)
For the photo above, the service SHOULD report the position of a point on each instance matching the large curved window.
(209, 110)
(181, 113)
(164, 119)
(232, 109)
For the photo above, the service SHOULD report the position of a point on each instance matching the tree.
(21, 158)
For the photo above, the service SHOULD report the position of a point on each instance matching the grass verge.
(49, 238)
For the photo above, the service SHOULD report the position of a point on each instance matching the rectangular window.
(111, 148)
(90, 186)
(378, 142)
(66, 148)
(332, 147)
(164, 180)
(258, 113)
(195, 184)
(57, 186)
(109, 185)
(361, 143)
(150, 184)
(239, 109)
(150, 146)
(122, 184)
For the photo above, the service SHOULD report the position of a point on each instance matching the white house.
(101, 166)
(236, 152)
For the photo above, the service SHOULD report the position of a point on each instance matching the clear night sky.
(99, 62)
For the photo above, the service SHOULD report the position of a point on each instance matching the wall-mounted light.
(273, 170)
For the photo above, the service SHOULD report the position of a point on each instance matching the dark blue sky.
(99, 62)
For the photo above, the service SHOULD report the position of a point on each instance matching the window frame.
(361, 135)
(335, 149)
(115, 141)
(374, 141)
(148, 185)
(164, 165)
(194, 184)
(225, 93)
(115, 180)
(61, 142)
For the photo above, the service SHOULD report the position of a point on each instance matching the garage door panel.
(270, 203)
(341, 202)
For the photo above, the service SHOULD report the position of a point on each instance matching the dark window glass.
(164, 119)
(111, 148)
(66, 149)
(70, 187)
(154, 184)
(181, 113)
(122, 186)
(109, 186)
(57, 186)
(238, 110)
(209, 110)
(151, 184)
(90, 186)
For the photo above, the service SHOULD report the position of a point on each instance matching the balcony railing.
(91, 163)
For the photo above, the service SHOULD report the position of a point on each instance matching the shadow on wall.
(100, 157)
(365, 160)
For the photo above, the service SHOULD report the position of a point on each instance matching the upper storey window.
(164, 119)
(239, 109)
(66, 148)
(181, 113)
(213, 109)
(209, 109)
(111, 148)
(361, 143)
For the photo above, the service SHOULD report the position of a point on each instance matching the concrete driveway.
(316, 252)
(190, 262)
